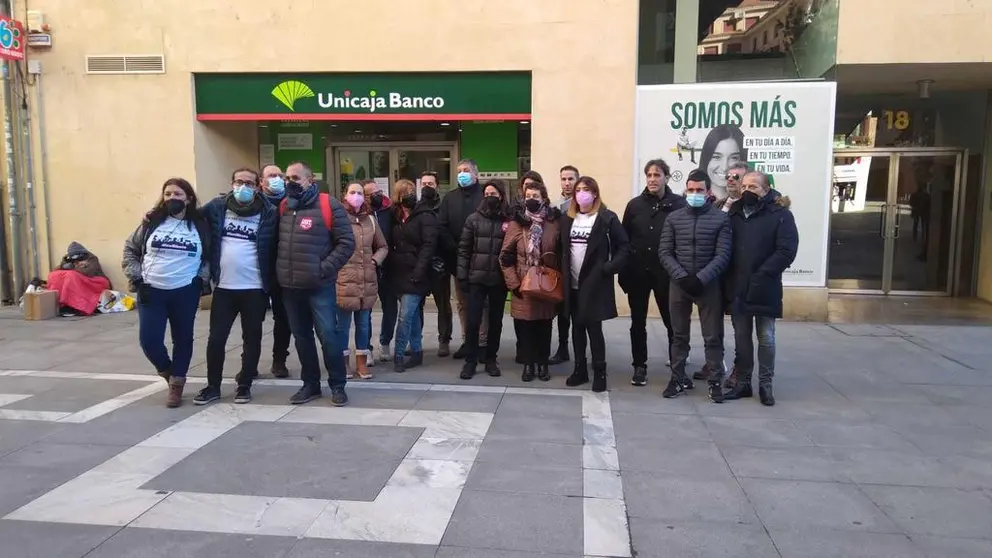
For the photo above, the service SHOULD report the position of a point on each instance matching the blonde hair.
(573, 206)
(402, 188)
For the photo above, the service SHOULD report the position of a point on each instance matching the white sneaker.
(385, 355)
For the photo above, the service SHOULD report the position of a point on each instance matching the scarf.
(535, 233)
(306, 199)
(254, 207)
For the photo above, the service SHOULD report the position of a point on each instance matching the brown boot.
(362, 366)
(175, 397)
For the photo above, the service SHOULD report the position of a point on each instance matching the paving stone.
(76, 395)
(457, 552)
(651, 402)
(19, 486)
(850, 434)
(540, 406)
(699, 540)
(528, 428)
(382, 398)
(16, 434)
(660, 429)
(529, 453)
(803, 504)
(676, 500)
(699, 460)
(126, 426)
(757, 432)
(133, 542)
(512, 521)
(46, 455)
(943, 512)
(27, 539)
(316, 548)
(843, 544)
(939, 547)
(529, 479)
(459, 401)
(331, 462)
(813, 464)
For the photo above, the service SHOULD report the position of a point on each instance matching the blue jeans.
(744, 330)
(177, 307)
(390, 308)
(363, 329)
(410, 327)
(310, 310)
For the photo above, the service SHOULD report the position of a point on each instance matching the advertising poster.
(784, 129)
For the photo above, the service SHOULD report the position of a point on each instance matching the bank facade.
(124, 99)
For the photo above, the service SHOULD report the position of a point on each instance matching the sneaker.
(688, 384)
(243, 395)
(279, 369)
(674, 389)
(492, 368)
(443, 349)
(338, 397)
(305, 395)
(716, 392)
(468, 371)
(207, 395)
(385, 354)
(640, 376)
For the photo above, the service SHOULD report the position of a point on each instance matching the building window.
(749, 22)
(730, 26)
(710, 50)
(656, 42)
(733, 48)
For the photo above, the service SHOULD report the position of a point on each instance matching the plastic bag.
(112, 302)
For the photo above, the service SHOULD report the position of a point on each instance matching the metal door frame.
(890, 223)
(393, 148)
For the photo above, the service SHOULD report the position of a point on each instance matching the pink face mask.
(585, 198)
(355, 200)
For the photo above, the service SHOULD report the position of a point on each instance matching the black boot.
(492, 368)
(703, 374)
(528, 373)
(561, 355)
(468, 370)
(461, 353)
(398, 366)
(765, 393)
(414, 360)
(741, 388)
(599, 377)
(543, 373)
(579, 376)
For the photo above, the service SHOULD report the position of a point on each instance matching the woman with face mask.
(479, 274)
(595, 248)
(532, 239)
(166, 262)
(358, 284)
(412, 242)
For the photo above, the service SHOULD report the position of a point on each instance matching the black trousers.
(481, 297)
(441, 292)
(593, 331)
(534, 340)
(281, 334)
(639, 297)
(226, 306)
(564, 319)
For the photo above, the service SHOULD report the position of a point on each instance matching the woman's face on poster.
(726, 154)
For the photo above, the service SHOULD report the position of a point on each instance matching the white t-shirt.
(239, 252)
(172, 255)
(579, 239)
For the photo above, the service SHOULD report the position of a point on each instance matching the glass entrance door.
(387, 163)
(892, 224)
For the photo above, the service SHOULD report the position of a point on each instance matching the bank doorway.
(388, 162)
(894, 221)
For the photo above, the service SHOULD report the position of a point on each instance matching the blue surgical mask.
(277, 186)
(696, 200)
(465, 179)
(243, 194)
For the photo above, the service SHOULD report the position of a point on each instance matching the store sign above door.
(363, 96)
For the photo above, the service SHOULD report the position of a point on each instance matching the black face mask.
(294, 189)
(533, 205)
(376, 201)
(492, 203)
(409, 201)
(175, 207)
(428, 193)
(750, 198)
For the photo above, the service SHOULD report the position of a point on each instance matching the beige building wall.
(914, 31)
(113, 140)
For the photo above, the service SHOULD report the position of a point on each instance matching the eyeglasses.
(733, 176)
(250, 183)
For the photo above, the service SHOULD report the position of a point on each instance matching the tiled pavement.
(881, 445)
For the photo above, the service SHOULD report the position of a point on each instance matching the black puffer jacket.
(696, 241)
(309, 253)
(411, 246)
(452, 213)
(479, 248)
(644, 221)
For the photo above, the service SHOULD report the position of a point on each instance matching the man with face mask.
(441, 288)
(315, 242)
(695, 251)
(644, 220)
(273, 187)
(765, 242)
(454, 210)
(243, 230)
(388, 301)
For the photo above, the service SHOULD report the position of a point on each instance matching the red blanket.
(76, 290)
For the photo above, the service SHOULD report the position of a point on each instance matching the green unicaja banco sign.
(363, 96)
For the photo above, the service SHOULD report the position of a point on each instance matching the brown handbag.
(543, 283)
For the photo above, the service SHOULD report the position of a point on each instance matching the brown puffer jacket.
(357, 283)
(513, 261)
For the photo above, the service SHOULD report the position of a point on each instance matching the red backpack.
(324, 201)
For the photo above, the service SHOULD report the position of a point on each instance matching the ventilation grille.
(126, 64)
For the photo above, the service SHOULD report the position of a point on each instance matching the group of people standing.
(274, 241)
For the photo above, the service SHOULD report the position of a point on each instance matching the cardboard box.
(42, 305)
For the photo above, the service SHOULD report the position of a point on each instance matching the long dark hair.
(159, 213)
(504, 206)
